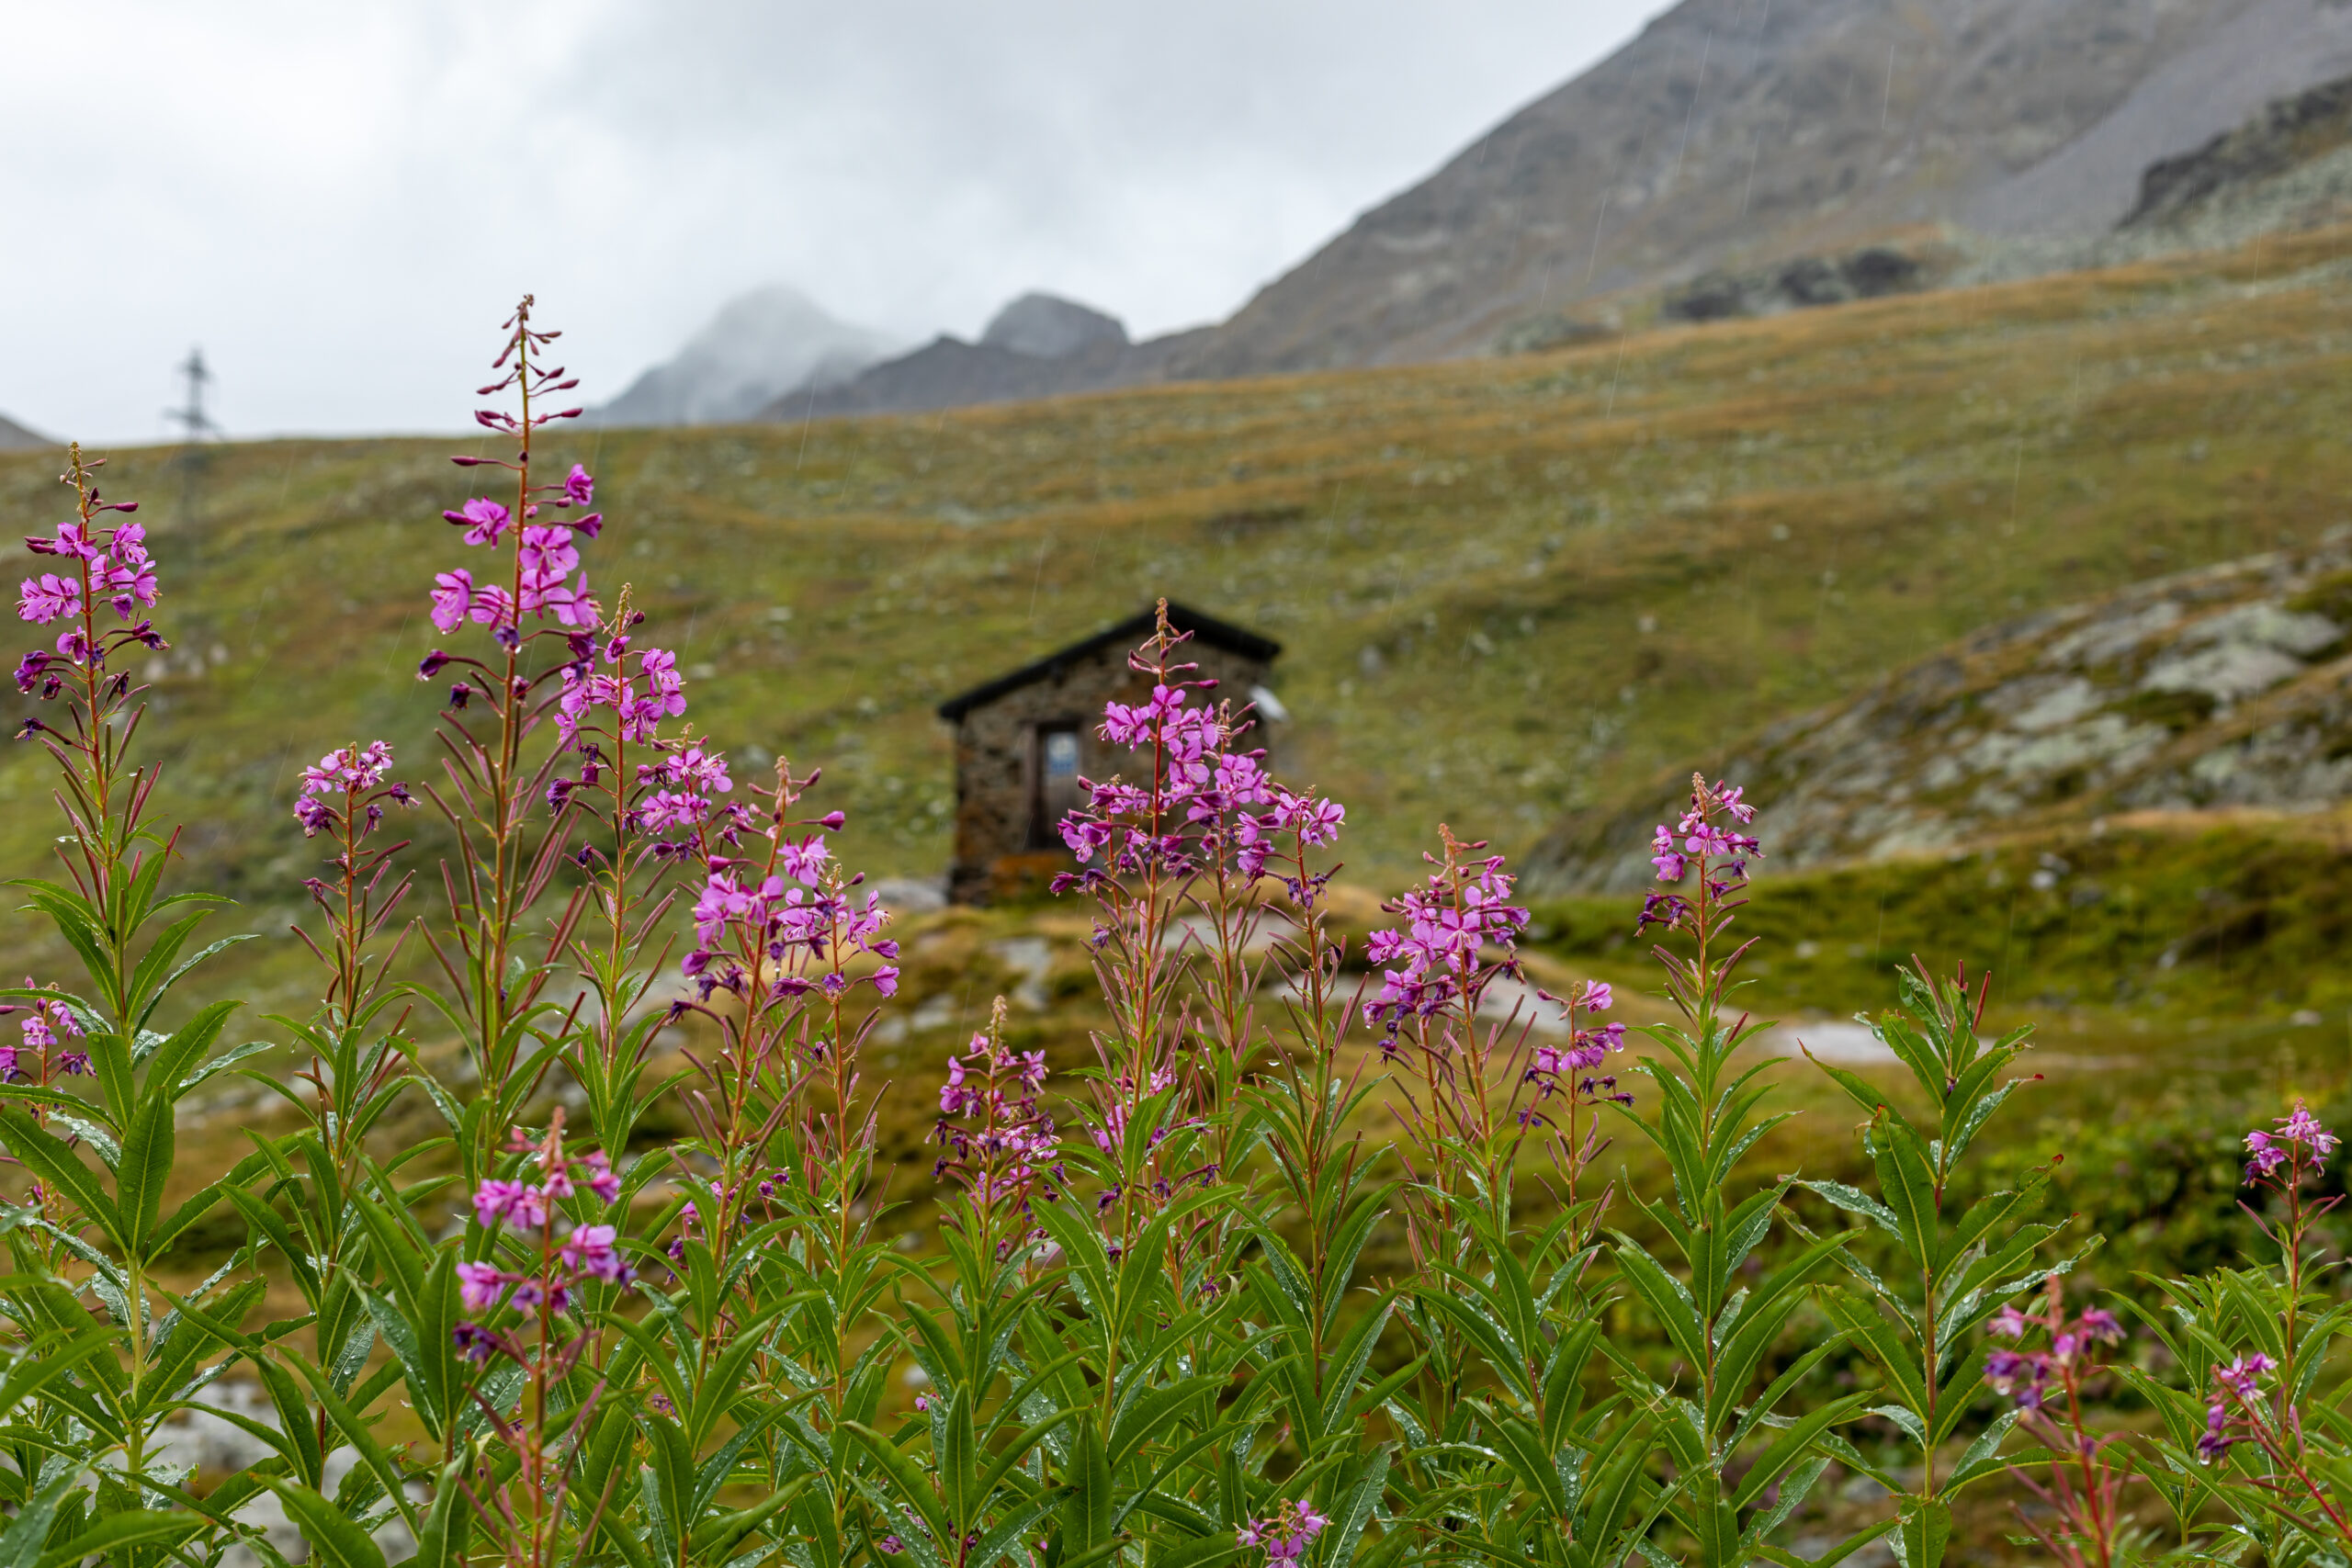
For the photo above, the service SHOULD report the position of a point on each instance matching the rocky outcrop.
(1866, 274)
(2226, 687)
(2289, 167)
(2288, 133)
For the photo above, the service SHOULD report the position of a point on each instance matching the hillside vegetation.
(1509, 588)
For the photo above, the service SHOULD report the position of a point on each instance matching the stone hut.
(1022, 739)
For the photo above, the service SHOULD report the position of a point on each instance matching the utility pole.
(196, 428)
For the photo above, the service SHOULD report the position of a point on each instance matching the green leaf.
(20, 1544)
(441, 1538)
(1924, 1529)
(714, 1540)
(101, 1142)
(61, 1172)
(147, 1152)
(908, 1478)
(1087, 1513)
(334, 1539)
(1197, 1551)
(118, 1532)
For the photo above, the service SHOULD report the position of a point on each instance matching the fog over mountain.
(761, 346)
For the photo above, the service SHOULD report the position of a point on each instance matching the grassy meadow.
(1509, 589)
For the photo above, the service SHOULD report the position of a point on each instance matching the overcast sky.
(339, 202)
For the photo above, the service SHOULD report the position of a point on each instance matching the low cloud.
(339, 202)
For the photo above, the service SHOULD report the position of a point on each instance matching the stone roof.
(1134, 629)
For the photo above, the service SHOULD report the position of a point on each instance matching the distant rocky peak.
(1045, 326)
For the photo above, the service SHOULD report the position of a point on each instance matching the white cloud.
(339, 202)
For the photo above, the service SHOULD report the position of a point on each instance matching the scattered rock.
(2224, 687)
(910, 896)
(1033, 958)
(1806, 281)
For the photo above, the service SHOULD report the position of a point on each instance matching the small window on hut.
(1054, 787)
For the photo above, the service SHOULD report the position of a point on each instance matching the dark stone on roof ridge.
(1205, 627)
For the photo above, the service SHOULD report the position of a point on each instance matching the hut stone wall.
(1004, 837)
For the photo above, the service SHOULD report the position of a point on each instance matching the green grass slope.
(1509, 588)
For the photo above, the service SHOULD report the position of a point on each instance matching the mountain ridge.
(2011, 119)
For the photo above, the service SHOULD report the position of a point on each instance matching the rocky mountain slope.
(1744, 157)
(1736, 132)
(1037, 346)
(765, 344)
(2230, 687)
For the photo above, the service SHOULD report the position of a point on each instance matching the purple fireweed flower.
(665, 809)
(1553, 1068)
(481, 1286)
(1287, 1535)
(1670, 865)
(600, 1178)
(1463, 910)
(482, 520)
(2299, 1145)
(348, 768)
(996, 1143)
(474, 1342)
(1315, 821)
(579, 488)
(2239, 1383)
(803, 861)
(590, 1251)
(2032, 1379)
(2214, 1441)
(46, 598)
(452, 598)
(515, 1202)
(2240, 1376)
